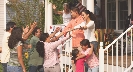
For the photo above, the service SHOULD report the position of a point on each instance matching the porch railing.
(118, 57)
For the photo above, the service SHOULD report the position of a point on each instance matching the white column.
(84, 3)
(129, 7)
(49, 16)
(90, 5)
(46, 7)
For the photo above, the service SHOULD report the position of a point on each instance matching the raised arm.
(57, 43)
(86, 53)
(57, 12)
(91, 49)
(32, 26)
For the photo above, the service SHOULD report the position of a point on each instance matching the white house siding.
(1, 21)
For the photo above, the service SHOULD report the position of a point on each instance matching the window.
(122, 14)
(111, 14)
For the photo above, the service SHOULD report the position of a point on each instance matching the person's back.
(80, 65)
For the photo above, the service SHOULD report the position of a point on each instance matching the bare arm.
(57, 12)
(52, 36)
(20, 58)
(91, 50)
(25, 36)
(90, 53)
(81, 56)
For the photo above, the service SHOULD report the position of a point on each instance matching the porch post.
(46, 7)
(101, 58)
(84, 3)
(48, 15)
(90, 5)
(129, 7)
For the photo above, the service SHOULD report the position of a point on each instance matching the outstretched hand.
(54, 6)
(57, 29)
(33, 25)
(26, 29)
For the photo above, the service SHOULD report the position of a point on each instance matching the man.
(5, 54)
(77, 35)
(35, 61)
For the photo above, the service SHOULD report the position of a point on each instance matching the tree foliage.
(24, 12)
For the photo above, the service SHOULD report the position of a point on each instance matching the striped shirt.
(81, 7)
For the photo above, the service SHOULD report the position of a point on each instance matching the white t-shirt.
(5, 54)
(89, 33)
(66, 18)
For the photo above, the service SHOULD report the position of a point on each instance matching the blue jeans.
(86, 66)
(14, 69)
(95, 69)
(36, 69)
(4, 65)
(95, 43)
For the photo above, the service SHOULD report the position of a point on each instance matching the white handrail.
(118, 37)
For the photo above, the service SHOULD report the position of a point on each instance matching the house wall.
(2, 20)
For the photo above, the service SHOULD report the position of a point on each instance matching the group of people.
(43, 55)
(82, 24)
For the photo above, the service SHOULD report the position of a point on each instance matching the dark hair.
(10, 25)
(85, 42)
(15, 37)
(75, 52)
(92, 17)
(35, 30)
(40, 44)
(75, 9)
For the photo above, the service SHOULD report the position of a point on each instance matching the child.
(91, 58)
(80, 62)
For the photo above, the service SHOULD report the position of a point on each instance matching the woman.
(89, 27)
(15, 43)
(47, 50)
(66, 13)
